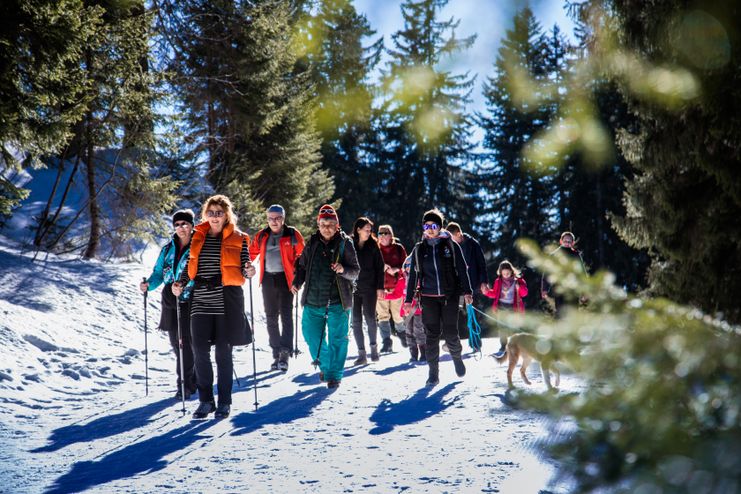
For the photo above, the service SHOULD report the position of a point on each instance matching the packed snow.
(74, 416)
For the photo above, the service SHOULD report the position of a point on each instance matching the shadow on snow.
(136, 458)
(107, 426)
(416, 408)
(281, 411)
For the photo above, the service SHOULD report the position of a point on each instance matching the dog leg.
(546, 375)
(526, 359)
(513, 354)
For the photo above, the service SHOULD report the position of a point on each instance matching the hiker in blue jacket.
(170, 263)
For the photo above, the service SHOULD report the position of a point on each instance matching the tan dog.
(530, 347)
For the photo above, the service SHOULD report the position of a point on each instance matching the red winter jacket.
(291, 247)
(496, 292)
(393, 255)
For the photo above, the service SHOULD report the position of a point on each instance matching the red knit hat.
(327, 212)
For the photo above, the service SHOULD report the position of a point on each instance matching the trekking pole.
(254, 355)
(239, 384)
(295, 331)
(180, 351)
(146, 350)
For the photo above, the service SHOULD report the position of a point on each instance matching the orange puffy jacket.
(291, 247)
(231, 251)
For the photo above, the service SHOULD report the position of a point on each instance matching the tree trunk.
(44, 225)
(94, 239)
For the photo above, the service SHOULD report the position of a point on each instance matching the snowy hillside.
(74, 416)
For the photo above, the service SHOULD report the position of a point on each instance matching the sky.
(488, 19)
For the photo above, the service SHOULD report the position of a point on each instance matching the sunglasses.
(214, 214)
(384, 233)
(276, 219)
(181, 224)
(327, 211)
(433, 226)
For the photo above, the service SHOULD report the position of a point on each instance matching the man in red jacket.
(277, 246)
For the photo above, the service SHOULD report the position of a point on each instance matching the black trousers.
(364, 305)
(440, 316)
(188, 360)
(169, 323)
(206, 330)
(278, 301)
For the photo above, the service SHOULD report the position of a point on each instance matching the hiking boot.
(333, 383)
(374, 353)
(283, 361)
(222, 411)
(422, 353)
(179, 394)
(501, 353)
(403, 338)
(433, 378)
(274, 365)
(362, 359)
(204, 409)
(387, 344)
(460, 368)
(414, 351)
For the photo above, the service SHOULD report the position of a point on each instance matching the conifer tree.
(248, 108)
(684, 202)
(42, 86)
(340, 68)
(113, 141)
(425, 149)
(519, 202)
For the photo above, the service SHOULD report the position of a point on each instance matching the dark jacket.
(371, 274)
(438, 270)
(474, 256)
(571, 253)
(348, 259)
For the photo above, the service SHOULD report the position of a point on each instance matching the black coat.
(237, 327)
(371, 275)
(474, 256)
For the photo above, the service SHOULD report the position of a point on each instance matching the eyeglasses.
(384, 233)
(328, 224)
(275, 219)
(432, 226)
(181, 225)
(214, 214)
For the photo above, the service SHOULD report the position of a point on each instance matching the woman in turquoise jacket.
(172, 260)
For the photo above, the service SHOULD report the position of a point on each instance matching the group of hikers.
(346, 281)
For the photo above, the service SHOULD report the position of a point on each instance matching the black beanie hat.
(183, 215)
(434, 216)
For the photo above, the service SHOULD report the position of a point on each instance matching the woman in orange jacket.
(218, 262)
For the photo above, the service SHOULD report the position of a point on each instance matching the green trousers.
(327, 337)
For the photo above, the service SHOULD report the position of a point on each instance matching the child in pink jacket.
(509, 292)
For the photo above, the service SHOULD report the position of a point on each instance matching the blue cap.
(276, 208)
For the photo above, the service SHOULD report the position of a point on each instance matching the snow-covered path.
(73, 415)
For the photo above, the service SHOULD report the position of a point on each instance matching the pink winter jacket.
(496, 292)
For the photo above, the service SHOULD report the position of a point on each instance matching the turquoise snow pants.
(329, 344)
